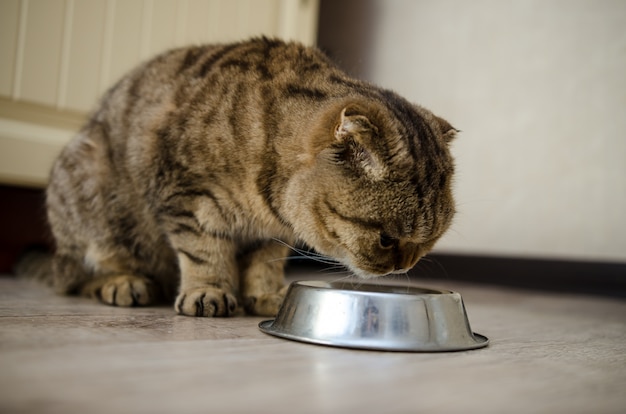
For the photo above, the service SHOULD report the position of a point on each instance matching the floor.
(549, 353)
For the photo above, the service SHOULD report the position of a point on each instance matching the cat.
(199, 168)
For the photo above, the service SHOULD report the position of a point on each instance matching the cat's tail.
(35, 264)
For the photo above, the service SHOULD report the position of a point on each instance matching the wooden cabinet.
(58, 56)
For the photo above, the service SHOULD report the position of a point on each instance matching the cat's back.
(186, 70)
(195, 80)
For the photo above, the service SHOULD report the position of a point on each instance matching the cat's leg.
(263, 282)
(97, 258)
(109, 255)
(109, 284)
(208, 275)
(120, 278)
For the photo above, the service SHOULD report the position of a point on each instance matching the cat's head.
(374, 190)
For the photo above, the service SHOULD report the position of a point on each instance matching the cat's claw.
(205, 301)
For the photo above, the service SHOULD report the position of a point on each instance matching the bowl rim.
(371, 288)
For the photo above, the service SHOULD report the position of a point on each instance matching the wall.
(537, 88)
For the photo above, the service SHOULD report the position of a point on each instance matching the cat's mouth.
(370, 272)
(358, 266)
(365, 269)
(364, 274)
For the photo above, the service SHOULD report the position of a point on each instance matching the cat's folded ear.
(448, 132)
(353, 135)
(352, 123)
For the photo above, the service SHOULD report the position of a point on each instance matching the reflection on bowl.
(380, 317)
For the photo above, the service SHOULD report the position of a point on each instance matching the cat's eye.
(386, 241)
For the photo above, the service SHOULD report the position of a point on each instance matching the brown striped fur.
(196, 162)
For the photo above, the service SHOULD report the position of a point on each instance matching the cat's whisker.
(349, 277)
(306, 254)
(439, 271)
(332, 270)
(400, 279)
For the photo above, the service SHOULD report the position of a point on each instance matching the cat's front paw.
(266, 304)
(205, 301)
(122, 290)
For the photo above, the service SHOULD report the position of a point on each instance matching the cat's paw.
(266, 304)
(205, 301)
(125, 290)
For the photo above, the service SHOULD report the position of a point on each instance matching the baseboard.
(568, 276)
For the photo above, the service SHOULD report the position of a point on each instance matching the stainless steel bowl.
(380, 317)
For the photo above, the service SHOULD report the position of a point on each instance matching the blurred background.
(537, 87)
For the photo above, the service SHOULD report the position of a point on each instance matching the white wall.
(538, 88)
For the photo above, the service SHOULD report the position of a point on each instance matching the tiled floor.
(548, 354)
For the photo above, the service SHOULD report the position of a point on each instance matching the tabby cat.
(198, 162)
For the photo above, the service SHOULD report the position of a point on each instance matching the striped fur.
(198, 160)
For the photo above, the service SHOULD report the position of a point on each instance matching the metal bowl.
(379, 317)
